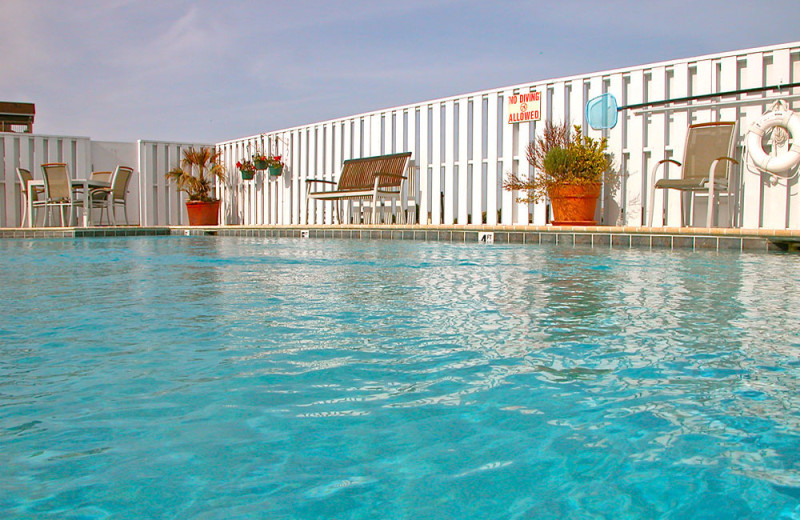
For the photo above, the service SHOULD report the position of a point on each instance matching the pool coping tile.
(613, 237)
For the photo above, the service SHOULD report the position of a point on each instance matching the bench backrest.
(359, 174)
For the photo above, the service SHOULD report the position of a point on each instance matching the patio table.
(84, 184)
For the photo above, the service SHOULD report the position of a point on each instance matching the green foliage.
(559, 161)
(561, 158)
(195, 175)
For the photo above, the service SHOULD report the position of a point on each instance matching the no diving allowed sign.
(524, 107)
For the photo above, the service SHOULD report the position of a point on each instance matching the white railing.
(463, 147)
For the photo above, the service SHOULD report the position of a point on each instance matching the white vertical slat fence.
(463, 148)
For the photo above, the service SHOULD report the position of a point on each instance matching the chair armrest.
(663, 161)
(726, 158)
(99, 190)
(659, 163)
(673, 161)
(712, 170)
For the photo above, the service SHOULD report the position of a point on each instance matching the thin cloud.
(211, 71)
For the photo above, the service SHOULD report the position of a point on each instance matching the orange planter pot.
(203, 213)
(575, 204)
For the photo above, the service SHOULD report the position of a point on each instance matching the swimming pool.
(225, 377)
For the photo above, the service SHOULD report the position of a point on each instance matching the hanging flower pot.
(275, 165)
(247, 169)
(260, 163)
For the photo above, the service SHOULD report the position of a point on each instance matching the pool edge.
(605, 237)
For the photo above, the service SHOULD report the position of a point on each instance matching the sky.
(210, 71)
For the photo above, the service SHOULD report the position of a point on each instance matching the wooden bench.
(377, 179)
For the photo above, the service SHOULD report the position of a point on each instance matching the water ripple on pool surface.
(220, 377)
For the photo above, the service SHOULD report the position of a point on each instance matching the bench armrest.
(309, 181)
(389, 175)
(384, 180)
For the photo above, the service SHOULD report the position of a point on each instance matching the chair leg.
(24, 209)
(652, 205)
(712, 208)
(712, 219)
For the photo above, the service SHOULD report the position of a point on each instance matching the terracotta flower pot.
(203, 213)
(574, 204)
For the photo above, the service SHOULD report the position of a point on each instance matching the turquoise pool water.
(219, 378)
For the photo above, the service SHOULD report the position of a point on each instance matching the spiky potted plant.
(572, 168)
(197, 171)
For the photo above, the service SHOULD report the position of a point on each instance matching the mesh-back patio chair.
(115, 195)
(101, 176)
(58, 190)
(24, 176)
(104, 176)
(706, 167)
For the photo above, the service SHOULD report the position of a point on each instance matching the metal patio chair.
(24, 176)
(58, 190)
(116, 195)
(707, 145)
(101, 176)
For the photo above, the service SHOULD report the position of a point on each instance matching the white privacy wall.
(161, 204)
(462, 146)
(30, 151)
(151, 201)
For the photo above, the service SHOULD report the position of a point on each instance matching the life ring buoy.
(776, 164)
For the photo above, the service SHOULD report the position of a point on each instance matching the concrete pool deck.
(728, 239)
